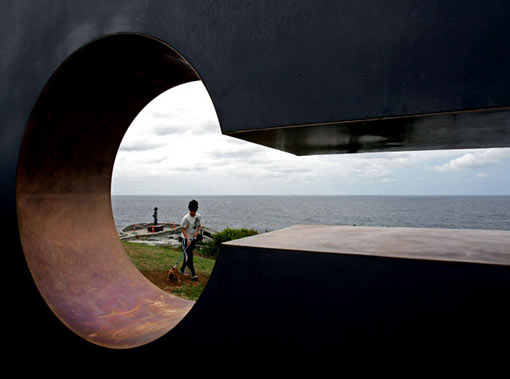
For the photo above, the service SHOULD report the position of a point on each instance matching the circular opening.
(63, 191)
(158, 170)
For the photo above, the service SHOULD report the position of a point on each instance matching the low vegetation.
(212, 249)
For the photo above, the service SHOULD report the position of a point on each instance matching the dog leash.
(184, 252)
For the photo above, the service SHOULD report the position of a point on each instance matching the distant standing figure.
(190, 229)
(155, 216)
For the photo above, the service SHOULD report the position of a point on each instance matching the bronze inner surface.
(63, 191)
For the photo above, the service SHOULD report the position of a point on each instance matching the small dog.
(173, 274)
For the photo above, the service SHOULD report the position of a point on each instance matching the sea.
(268, 213)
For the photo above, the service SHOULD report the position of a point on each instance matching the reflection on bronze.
(490, 247)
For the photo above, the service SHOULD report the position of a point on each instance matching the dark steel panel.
(271, 64)
(331, 308)
(465, 130)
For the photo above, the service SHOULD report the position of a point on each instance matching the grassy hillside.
(154, 263)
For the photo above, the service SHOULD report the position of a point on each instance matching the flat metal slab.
(463, 245)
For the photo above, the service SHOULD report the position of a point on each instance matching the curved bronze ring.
(63, 190)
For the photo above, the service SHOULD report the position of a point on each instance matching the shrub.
(226, 235)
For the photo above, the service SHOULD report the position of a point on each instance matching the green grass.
(154, 262)
(189, 292)
(162, 258)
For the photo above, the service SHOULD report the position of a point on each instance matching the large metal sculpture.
(303, 76)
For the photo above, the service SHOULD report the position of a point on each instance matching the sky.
(175, 147)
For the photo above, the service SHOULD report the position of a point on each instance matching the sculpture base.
(155, 228)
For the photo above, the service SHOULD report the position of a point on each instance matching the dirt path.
(187, 288)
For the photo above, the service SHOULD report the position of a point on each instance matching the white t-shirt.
(191, 224)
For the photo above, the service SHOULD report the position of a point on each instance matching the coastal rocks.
(169, 234)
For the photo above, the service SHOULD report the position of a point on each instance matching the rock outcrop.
(169, 236)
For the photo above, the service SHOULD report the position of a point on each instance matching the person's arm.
(184, 224)
(198, 231)
(185, 233)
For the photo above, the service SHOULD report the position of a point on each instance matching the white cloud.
(140, 145)
(164, 130)
(476, 159)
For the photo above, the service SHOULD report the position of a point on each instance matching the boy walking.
(190, 228)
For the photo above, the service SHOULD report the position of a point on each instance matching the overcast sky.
(175, 147)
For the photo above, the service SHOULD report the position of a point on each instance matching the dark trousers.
(188, 256)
